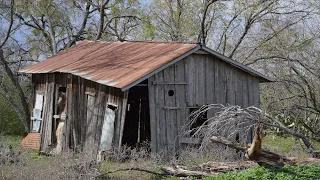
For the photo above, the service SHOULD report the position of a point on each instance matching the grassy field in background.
(288, 146)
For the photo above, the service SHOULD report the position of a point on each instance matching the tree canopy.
(277, 38)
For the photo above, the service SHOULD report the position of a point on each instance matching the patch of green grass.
(311, 172)
(288, 146)
(281, 144)
(14, 141)
(170, 178)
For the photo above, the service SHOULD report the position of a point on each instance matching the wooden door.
(107, 130)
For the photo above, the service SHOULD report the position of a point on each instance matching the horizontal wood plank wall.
(86, 105)
(208, 80)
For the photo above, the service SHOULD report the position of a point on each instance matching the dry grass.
(25, 164)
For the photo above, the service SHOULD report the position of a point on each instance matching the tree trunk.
(25, 107)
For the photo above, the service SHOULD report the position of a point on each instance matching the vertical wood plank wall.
(208, 80)
(86, 104)
(201, 79)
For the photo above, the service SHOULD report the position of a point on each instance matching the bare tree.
(116, 19)
(23, 112)
(205, 26)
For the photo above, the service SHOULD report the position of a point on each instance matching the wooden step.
(31, 141)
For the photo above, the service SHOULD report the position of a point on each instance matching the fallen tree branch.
(207, 169)
(133, 169)
(199, 171)
(235, 122)
(178, 171)
(266, 158)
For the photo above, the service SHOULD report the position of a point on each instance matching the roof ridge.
(169, 42)
(140, 41)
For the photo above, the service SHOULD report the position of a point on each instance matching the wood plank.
(200, 62)
(250, 91)
(100, 115)
(171, 108)
(239, 88)
(190, 72)
(84, 112)
(170, 116)
(55, 123)
(90, 124)
(46, 134)
(113, 100)
(250, 102)
(230, 85)
(220, 82)
(256, 92)
(153, 119)
(171, 82)
(124, 103)
(69, 121)
(210, 84)
(80, 111)
(245, 94)
(75, 112)
(160, 114)
(180, 101)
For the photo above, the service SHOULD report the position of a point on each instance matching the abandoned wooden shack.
(130, 92)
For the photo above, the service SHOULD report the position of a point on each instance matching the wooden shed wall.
(197, 80)
(86, 104)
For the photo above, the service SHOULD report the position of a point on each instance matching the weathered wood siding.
(197, 80)
(86, 105)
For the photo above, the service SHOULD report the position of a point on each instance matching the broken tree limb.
(207, 169)
(132, 169)
(266, 158)
(199, 171)
(180, 172)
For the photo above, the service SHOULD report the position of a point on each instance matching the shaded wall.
(196, 80)
(86, 104)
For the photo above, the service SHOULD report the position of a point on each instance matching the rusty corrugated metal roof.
(122, 64)
(116, 64)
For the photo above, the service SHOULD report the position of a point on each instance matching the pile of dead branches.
(237, 124)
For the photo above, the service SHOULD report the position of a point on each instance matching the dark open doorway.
(137, 121)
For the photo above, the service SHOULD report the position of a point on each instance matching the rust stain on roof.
(116, 64)
(123, 64)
